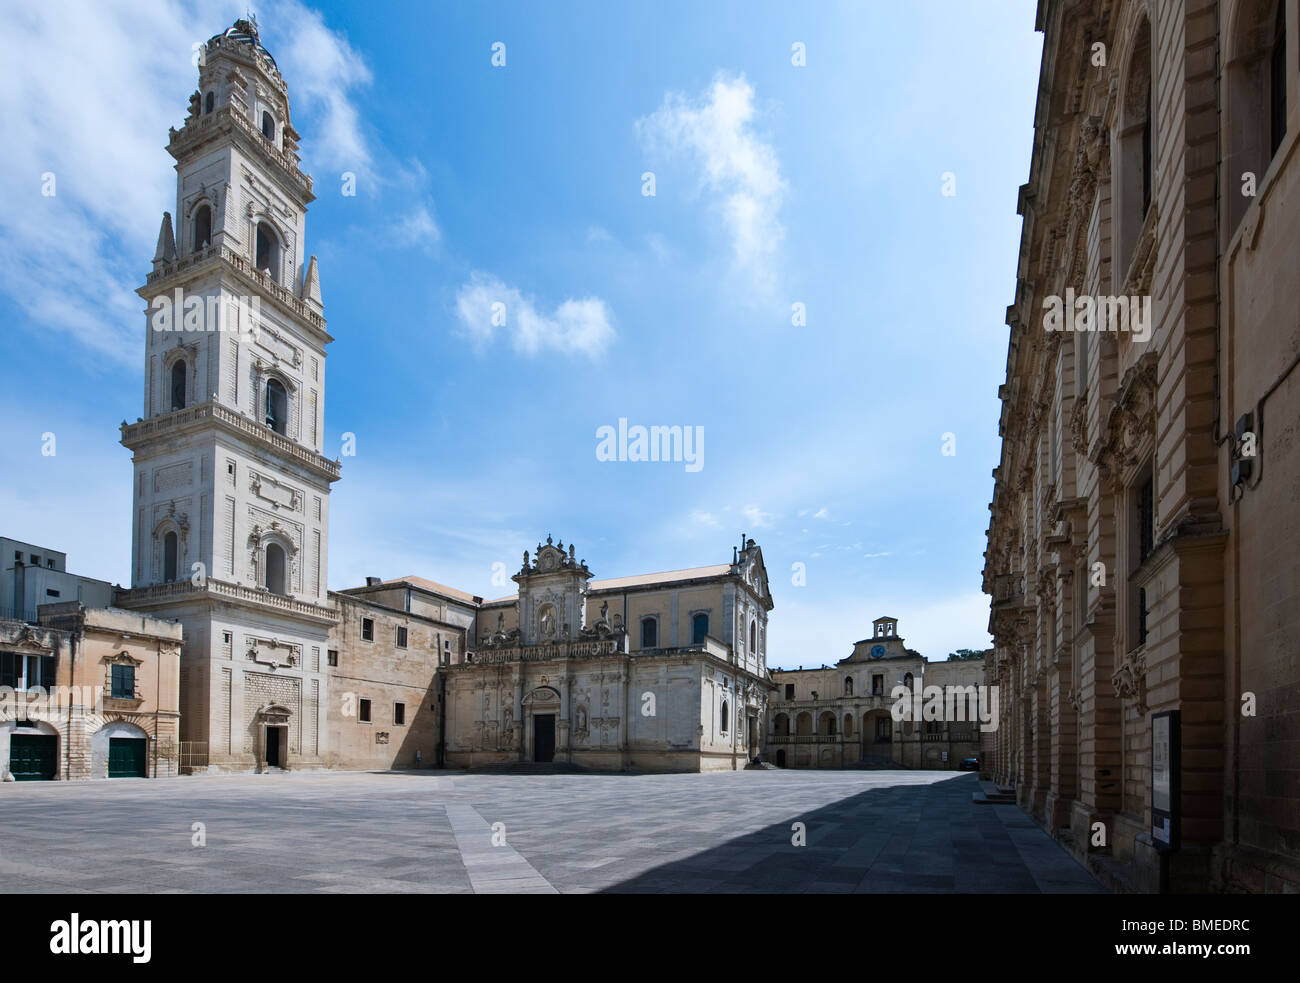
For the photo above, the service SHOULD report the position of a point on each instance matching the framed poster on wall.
(1166, 781)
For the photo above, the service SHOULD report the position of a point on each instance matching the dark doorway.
(33, 757)
(126, 757)
(273, 747)
(780, 758)
(544, 737)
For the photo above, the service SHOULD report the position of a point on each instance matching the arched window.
(178, 384)
(275, 566)
(1136, 151)
(781, 724)
(268, 126)
(699, 628)
(268, 251)
(202, 227)
(1255, 99)
(725, 709)
(649, 633)
(171, 556)
(277, 406)
(907, 680)
(848, 685)
(753, 636)
(209, 101)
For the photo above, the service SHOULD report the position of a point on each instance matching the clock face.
(877, 651)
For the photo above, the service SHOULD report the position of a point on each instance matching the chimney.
(373, 581)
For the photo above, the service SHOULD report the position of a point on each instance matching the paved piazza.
(867, 831)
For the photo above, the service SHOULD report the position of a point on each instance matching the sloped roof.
(669, 576)
(435, 587)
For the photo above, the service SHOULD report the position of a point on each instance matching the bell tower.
(230, 522)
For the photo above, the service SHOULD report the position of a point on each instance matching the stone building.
(841, 716)
(661, 672)
(88, 693)
(231, 491)
(1142, 550)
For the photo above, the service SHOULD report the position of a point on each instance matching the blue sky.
(775, 184)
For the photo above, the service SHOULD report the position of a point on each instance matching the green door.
(33, 757)
(126, 757)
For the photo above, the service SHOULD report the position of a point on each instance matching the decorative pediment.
(122, 659)
(274, 713)
(542, 695)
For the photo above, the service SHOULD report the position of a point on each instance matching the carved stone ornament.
(1130, 680)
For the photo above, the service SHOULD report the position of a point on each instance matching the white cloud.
(756, 517)
(737, 168)
(71, 261)
(821, 513)
(575, 327)
(321, 69)
(706, 518)
(416, 228)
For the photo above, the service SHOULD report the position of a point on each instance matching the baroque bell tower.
(231, 495)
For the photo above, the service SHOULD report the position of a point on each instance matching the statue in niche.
(547, 622)
(580, 720)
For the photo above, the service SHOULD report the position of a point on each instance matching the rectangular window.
(363, 711)
(789, 691)
(36, 560)
(401, 636)
(368, 629)
(649, 633)
(124, 682)
(49, 563)
(10, 667)
(1146, 519)
(333, 657)
(399, 714)
(49, 592)
(877, 685)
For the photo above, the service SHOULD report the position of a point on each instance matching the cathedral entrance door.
(544, 737)
(273, 747)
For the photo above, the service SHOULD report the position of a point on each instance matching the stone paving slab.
(431, 832)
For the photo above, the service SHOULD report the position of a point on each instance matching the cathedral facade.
(230, 529)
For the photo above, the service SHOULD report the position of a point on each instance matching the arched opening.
(202, 227)
(803, 724)
(275, 567)
(1133, 172)
(826, 725)
(781, 725)
(649, 633)
(178, 384)
(277, 406)
(119, 750)
(753, 637)
(209, 101)
(171, 556)
(848, 685)
(699, 628)
(725, 711)
(268, 126)
(1256, 83)
(848, 725)
(907, 680)
(268, 251)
